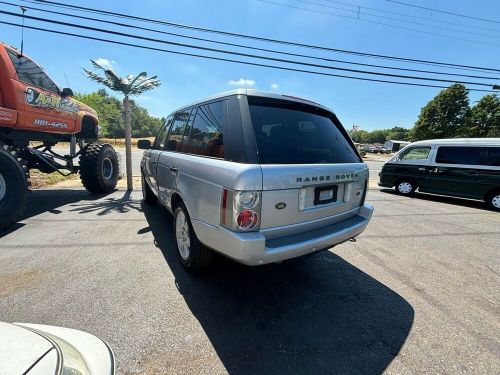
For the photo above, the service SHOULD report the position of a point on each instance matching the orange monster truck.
(34, 109)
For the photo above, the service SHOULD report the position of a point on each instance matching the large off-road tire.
(13, 186)
(99, 168)
(190, 251)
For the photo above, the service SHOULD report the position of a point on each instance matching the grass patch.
(40, 180)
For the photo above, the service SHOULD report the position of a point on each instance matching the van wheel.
(405, 187)
(147, 194)
(493, 200)
(192, 254)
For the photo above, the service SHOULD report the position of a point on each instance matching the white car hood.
(20, 349)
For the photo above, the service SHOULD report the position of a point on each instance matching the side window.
(30, 73)
(493, 157)
(207, 134)
(416, 153)
(459, 155)
(174, 142)
(159, 143)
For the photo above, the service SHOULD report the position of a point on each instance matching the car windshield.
(294, 133)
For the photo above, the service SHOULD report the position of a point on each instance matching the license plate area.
(325, 194)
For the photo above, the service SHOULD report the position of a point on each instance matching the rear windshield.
(294, 133)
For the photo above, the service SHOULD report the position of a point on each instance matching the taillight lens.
(240, 210)
(247, 219)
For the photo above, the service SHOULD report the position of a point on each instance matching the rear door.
(150, 158)
(311, 173)
(457, 171)
(176, 144)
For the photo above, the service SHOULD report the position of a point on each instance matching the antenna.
(23, 9)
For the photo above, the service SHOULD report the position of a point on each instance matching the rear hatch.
(312, 174)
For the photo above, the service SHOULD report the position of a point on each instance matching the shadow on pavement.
(317, 315)
(49, 200)
(443, 199)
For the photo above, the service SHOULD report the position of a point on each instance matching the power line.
(248, 47)
(230, 60)
(444, 12)
(379, 23)
(267, 58)
(359, 6)
(392, 18)
(262, 39)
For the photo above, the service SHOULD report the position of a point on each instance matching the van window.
(161, 137)
(415, 153)
(175, 137)
(207, 134)
(28, 72)
(493, 157)
(295, 133)
(459, 155)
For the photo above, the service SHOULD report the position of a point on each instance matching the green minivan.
(461, 167)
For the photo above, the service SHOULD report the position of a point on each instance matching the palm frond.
(97, 65)
(139, 76)
(99, 79)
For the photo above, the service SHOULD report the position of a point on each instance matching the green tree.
(398, 133)
(128, 86)
(444, 116)
(484, 119)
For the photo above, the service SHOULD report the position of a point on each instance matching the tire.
(405, 187)
(13, 187)
(493, 200)
(191, 253)
(99, 168)
(147, 194)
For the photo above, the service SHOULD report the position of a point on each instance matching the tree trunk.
(128, 142)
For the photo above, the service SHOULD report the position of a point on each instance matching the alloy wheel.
(182, 235)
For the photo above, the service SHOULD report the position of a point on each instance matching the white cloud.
(105, 63)
(274, 86)
(242, 82)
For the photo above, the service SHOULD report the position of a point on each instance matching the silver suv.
(257, 177)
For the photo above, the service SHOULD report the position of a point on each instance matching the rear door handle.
(473, 173)
(421, 169)
(174, 170)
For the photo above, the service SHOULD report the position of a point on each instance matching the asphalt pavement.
(417, 293)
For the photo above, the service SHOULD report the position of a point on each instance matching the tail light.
(364, 193)
(240, 210)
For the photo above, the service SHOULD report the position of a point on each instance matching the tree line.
(448, 115)
(111, 118)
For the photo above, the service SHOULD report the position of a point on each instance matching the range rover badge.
(280, 205)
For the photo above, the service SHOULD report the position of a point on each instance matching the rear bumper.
(254, 249)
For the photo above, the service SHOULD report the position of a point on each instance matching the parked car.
(257, 177)
(40, 349)
(468, 168)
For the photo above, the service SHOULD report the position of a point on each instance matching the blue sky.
(185, 79)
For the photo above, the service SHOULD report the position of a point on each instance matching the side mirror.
(66, 92)
(144, 144)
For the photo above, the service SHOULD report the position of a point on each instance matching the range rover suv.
(258, 177)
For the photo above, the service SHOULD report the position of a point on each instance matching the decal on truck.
(42, 122)
(39, 99)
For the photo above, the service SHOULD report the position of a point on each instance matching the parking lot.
(417, 293)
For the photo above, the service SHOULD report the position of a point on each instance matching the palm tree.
(128, 86)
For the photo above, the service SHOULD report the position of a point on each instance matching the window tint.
(459, 155)
(162, 134)
(416, 153)
(175, 138)
(294, 133)
(29, 72)
(207, 134)
(493, 157)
